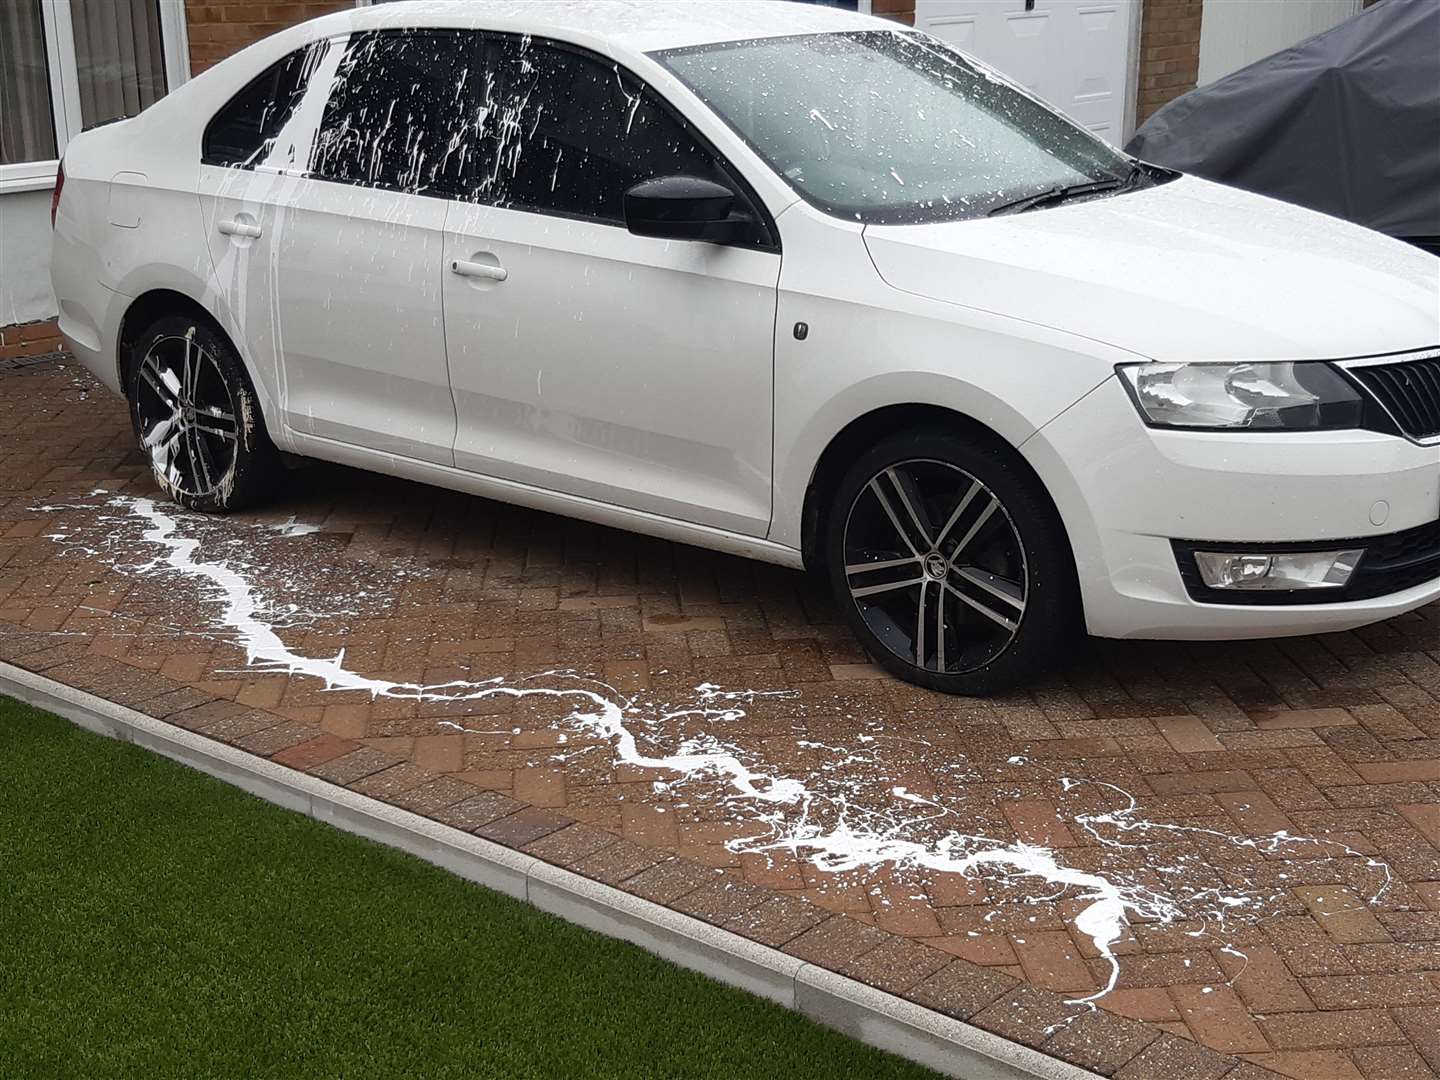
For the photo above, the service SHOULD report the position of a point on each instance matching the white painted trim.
(59, 100)
(175, 39)
(882, 1020)
(28, 176)
(64, 58)
(1132, 72)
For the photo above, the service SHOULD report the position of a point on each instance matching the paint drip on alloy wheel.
(200, 425)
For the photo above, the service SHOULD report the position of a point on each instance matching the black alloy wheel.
(196, 418)
(950, 565)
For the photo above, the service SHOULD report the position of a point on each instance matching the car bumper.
(90, 312)
(1127, 492)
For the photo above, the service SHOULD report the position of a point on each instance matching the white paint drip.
(1124, 821)
(291, 527)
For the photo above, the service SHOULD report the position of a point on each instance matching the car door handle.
(465, 268)
(240, 228)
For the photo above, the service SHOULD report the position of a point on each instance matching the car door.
(332, 247)
(585, 359)
(242, 183)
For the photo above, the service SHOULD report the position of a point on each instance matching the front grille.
(1392, 563)
(1409, 391)
(1401, 560)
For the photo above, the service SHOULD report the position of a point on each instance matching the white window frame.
(65, 84)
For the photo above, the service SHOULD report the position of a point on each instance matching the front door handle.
(240, 228)
(465, 268)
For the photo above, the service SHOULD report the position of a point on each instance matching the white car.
(778, 280)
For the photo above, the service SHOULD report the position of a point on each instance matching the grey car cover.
(1346, 122)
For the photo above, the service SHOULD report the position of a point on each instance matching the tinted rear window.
(241, 133)
(396, 116)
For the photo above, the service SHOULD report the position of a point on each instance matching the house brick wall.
(218, 28)
(1169, 53)
(20, 341)
(899, 10)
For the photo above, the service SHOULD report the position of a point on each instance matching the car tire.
(951, 564)
(196, 417)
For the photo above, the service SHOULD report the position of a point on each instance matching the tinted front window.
(882, 126)
(244, 130)
(564, 133)
(396, 112)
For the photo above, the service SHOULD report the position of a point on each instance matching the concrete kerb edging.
(860, 1011)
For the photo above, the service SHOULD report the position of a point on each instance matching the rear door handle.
(465, 268)
(240, 228)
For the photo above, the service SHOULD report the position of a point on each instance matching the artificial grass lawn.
(155, 922)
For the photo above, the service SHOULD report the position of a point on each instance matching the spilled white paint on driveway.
(291, 527)
(816, 817)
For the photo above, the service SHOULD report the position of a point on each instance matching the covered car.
(1346, 122)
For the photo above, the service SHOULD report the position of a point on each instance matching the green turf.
(155, 922)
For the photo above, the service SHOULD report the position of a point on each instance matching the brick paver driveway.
(1230, 850)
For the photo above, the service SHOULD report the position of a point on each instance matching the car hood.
(1187, 270)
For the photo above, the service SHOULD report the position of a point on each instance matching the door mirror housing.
(683, 208)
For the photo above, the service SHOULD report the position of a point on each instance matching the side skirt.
(554, 502)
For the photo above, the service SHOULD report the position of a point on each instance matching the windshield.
(887, 127)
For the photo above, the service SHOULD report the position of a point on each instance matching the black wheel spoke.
(991, 614)
(874, 576)
(209, 427)
(941, 625)
(884, 587)
(1008, 592)
(869, 567)
(946, 599)
(191, 370)
(162, 432)
(150, 374)
(920, 621)
(982, 519)
(162, 452)
(894, 518)
(198, 457)
(965, 501)
(910, 498)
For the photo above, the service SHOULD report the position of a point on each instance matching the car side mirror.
(683, 208)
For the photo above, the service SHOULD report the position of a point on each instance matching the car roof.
(625, 25)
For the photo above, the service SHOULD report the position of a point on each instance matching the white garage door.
(1233, 35)
(1074, 54)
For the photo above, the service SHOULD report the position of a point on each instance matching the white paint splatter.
(291, 527)
(823, 828)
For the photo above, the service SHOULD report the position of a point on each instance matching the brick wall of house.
(899, 10)
(218, 28)
(1169, 52)
(22, 341)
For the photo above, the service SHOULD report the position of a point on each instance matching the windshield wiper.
(1063, 193)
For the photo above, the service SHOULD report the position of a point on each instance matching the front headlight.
(1275, 396)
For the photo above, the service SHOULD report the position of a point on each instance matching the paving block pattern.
(1181, 772)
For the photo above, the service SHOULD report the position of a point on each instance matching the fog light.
(1290, 570)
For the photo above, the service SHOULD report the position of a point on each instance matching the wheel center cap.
(936, 567)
